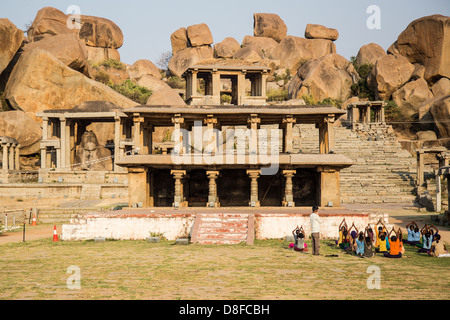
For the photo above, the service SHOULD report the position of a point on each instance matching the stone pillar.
(178, 124)
(438, 192)
(17, 157)
(137, 134)
(11, 156)
(420, 167)
(253, 123)
(288, 124)
(58, 157)
(254, 175)
(326, 134)
(5, 165)
(194, 83)
(288, 190)
(44, 128)
(215, 85)
(355, 116)
(241, 87)
(178, 175)
(329, 186)
(43, 157)
(117, 138)
(213, 200)
(211, 146)
(264, 84)
(68, 143)
(138, 187)
(72, 143)
(368, 114)
(382, 114)
(63, 144)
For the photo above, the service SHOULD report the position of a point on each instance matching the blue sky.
(147, 25)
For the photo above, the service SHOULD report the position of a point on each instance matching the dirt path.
(31, 233)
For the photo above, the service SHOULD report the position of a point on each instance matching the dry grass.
(267, 270)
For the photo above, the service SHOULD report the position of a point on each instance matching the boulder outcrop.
(440, 110)
(17, 125)
(389, 73)
(10, 41)
(39, 81)
(410, 97)
(427, 41)
(317, 31)
(292, 51)
(226, 48)
(269, 25)
(369, 53)
(199, 35)
(66, 48)
(330, 76)
(188, 57)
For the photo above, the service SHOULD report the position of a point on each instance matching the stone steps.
(91, 191)
(382, 170)
(223, 229)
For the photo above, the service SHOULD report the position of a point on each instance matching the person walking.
(315, 230)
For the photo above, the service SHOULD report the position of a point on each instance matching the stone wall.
(124, 226)
(59, 190)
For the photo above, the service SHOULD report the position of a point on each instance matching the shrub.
(103, 77)
(396, 117)
(362, 89)
(225, 98)
(285, 77)
(175, 83)
(112, 64)
(133, 91)
(309, 99)
(277, 95)
(330, 101)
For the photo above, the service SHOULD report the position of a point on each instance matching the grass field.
(267, 270)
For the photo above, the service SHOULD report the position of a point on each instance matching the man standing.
(315, 230)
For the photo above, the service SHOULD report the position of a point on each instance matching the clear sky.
(148, 24)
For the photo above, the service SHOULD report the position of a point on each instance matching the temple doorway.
(234, 188)
(304, 185)
(164, 189)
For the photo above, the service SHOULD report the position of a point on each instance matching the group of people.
(390, 243)
(369, 242)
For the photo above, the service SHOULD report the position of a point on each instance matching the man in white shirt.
(315, 230)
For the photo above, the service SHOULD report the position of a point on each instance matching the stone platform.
(172, 223)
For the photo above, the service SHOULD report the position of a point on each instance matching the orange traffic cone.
(55, 236)
(34, 219)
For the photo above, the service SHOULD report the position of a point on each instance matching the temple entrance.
(163, 188)
(304, 185)
(197, 188)
(270, 190)
(234, 188)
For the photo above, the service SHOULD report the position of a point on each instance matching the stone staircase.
(223, 229)
(91, 191)
(382, 170)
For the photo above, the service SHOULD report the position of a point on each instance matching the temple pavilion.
(236, 154)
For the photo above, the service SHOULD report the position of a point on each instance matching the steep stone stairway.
(382, 170)
(223, 229)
